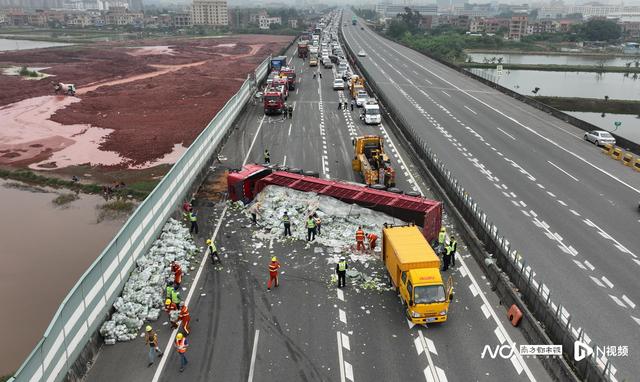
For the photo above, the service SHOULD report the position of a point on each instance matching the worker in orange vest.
(181, 345)
(372, 237)
(177, 273)
(185, 317)
(274, 266)
(169, 306)
(360, 239)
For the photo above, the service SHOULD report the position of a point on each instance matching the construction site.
(135, 105)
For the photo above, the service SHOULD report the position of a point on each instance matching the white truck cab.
(371, 113)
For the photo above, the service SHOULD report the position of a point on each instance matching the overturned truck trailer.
(244, 184)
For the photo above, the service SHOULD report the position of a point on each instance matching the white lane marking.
(289, 133)
(253, 356)
(418, 344)
(589, 265)
(607, 236)
(606, 281)
(343, 315)
(340, 294)
(499, 334)
(550, 141)
(340, 358)
(427, 81)
(441, 375)
(205, 255)
(432, 367)
(463, 272)
(566, 173)
(348, 371)
(637, 320)
(598, 282)
(507, 134)
(284, 161)
(516, 364)
(579, 264)
(628, 301)
(431, 346)
(471, 110)
(485, 311)
(617, 301)
(446, 93)
(575, 212)
(345, 341)
(473, 290)
(246, 158)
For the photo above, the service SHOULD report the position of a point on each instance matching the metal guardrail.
(536, 296)
(87, 305)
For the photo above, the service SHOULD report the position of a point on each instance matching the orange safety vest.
(184, 314)
(359, 235)
(372, 237)
(181, 345)
(170, 307)
(273, 267)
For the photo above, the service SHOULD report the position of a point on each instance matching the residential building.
(254, 17)
(210, 12)
(630, 28)
(392, 10)
(293, 23)
(541, 26)
(265, 22)
(122, 16)
(518, 27)
(459, 21)
(181, 20)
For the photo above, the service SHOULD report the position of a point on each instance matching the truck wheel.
(378, 186)
(395, 190)
(413, 193)
(313, 174)
(295, 170)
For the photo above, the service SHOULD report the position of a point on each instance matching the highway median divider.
(636, 164)
(607, 148)
(627, 159)
(616, 153)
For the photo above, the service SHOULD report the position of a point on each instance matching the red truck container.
(291, 76)
(281, 82)
(246, 183)
(273, 100)
(303, 49)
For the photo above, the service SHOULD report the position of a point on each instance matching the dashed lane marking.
(485, 311)
(466, 107)
(340, 357)
(254, 353)
(345, 341)
(566, 173)
(617, 301)
(628, 301)
(598, 282)
(340, 294)
(447, 94)
(343, 316)
(606, 281)
(473, 290)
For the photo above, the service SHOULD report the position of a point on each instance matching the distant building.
(265, 22)
(392, 10)
(210, 12)
(122, 16)
(293, 23)
(136, 5)
(181, 20)
(254, 17)
(542, 26)
(518, 27)
(456, 21)
(491, 25)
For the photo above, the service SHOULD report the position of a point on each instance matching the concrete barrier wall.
(87, 305)
(503, 264)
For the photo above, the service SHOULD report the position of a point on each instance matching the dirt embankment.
(148, 99)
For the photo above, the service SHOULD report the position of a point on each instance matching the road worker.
(360, 239)
(169, 306)
(169, 290)
(446, 260)
(175, 296)
(176, 268)
(194, 222)
(341, 271)
(311, 228)
(442, 236)
(267, 156)
(453, 247)
(372, 237)
(213, 251)
(318, 221)
(181, 345)
(287, 224)
(151, 339)
(185, 317)
(274, 267)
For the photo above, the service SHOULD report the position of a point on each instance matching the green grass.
(115, 208)
(25, 72)
(64, 199)
(144, 186)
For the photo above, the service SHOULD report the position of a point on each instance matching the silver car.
(599, 137)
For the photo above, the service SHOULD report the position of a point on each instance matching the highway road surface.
(306, 330)
(570, 211)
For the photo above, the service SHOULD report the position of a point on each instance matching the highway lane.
(299, 325)
(473, 135)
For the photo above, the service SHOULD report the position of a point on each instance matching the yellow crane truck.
(372, 162)
(414, 270)
(356, 84)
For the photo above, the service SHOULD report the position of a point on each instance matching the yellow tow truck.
(372, 162)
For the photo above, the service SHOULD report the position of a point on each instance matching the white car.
(361, 98)
(362, 53)
(338, 84)
(599, 137)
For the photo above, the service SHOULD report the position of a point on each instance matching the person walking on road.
(446, 260)
(290, 109)
(345, 105)
(453, 246)
(339, 105)
(320, 74)
(185, 317)
(181, 345)
(193, 218)
(311, 228)
(287, 224)
(213, 251)
(267, 156)
(341, 271)
(360, 239)
(318, 221)
(176, 268)
(151, 340)
(314, 76)
(274, 267)
(353, 102)
(372, 237)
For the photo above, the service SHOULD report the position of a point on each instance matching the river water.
(45, 249)
(553, 59)
(9, 44)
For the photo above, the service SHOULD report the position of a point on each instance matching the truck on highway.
(356, 84)
(281, 83)
(372, 162)
(290, 74)
(371, 113)
(354, 20)
(303, 49)
(273, 100)
(278, 62)
(414, 270)
(313, 59)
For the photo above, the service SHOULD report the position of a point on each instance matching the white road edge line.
(340, 358)
(253, 356)
(505, 133)
(566, 173)
(205, 255)
(246, 158)
(432, 367)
